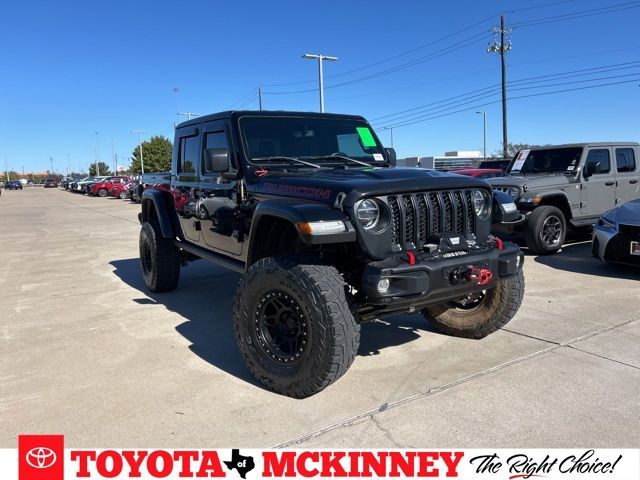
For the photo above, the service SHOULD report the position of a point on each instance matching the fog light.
(383, 285)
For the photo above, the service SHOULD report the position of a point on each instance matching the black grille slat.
(471, 217)
(448, 212)
(395, 220)
(417, 217)
(424, 217)
(409, 221)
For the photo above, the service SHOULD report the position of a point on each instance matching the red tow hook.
(411, 258)
(480, 276)
(499, 244)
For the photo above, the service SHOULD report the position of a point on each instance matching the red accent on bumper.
(481, 276)
(411, 258)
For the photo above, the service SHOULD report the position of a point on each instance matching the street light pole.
(97, 154)
(484, 133)
(176, 90)
(320, 58)
(113, 156)
(51, 169)
(140, 132)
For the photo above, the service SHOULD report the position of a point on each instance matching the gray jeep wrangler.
(568, 186)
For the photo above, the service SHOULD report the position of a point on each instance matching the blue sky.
(73, 68)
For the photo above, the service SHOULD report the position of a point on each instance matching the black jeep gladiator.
(327, 235)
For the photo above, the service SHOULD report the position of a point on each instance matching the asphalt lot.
(87, 352)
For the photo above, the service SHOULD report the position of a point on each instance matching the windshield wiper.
(279, 158)
(341, 157)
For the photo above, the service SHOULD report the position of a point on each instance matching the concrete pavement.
(86, 351)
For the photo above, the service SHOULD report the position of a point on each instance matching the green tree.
(102, 167)
(156, 154)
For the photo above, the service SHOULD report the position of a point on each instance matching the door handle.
(609, 184)
(633, 181)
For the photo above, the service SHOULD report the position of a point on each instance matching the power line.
(573, 15)
(457, 46)
(433, 116)
(518, 82)
(241, 99)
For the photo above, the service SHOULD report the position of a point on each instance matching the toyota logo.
(41, 457)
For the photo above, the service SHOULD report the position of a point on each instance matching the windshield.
(547, 160)
(267, 138)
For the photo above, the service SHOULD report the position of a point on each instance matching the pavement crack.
(386, 432)
(604, 357)
(418, 396)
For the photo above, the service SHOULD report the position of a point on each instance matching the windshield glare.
(301, 137)
(547, 160)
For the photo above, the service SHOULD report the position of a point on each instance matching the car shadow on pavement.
(204, 299)
(576, 257)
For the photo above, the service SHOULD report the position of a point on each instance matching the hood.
(325, 185)
(629, 213)
(532, 181)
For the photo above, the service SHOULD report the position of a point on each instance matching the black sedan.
(13, 185)
(616, 236)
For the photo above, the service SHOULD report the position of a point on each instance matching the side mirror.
(216, 160)
(391, 154)
(590, 168)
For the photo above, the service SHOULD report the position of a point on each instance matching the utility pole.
(140, 132)
(260, 97)
(97, 154)
(113, 156)
(320, 58)
(68, 164)
(6, 169)
(502, 47)
(484, 133)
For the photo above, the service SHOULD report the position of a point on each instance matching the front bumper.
(434, 279)
(614, 244)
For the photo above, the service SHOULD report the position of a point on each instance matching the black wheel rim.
(551, 231)
(473, 301)
(281, 327)
(145, 258)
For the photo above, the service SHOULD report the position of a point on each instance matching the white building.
(454, 159)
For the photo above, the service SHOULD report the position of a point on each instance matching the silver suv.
(569, 186)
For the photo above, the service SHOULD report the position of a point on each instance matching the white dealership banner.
(40, 459)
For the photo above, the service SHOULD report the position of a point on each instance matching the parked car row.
(122, 187)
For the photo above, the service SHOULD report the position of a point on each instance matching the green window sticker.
(366, 137)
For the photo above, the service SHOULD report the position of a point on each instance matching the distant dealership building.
(454, 159)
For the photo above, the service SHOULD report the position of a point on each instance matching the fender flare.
(161, 202)
(295, 212)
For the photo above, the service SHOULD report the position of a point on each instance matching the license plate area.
(635, 248)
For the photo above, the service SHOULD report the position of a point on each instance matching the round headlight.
(480, 203)
(368, 213)
(514, 192)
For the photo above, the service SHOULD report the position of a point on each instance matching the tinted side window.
(625, 160)
(600, 156)
(188, 154)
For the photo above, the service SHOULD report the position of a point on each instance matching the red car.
(482, 173)
(120, 190)
(102, 188)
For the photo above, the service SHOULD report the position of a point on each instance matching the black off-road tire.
(332, 334)
(498, 307)
(534, 230)
(159, 258)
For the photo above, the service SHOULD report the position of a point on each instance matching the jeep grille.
(416, 217)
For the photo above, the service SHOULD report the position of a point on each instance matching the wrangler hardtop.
(326, 235)
(561, 187)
